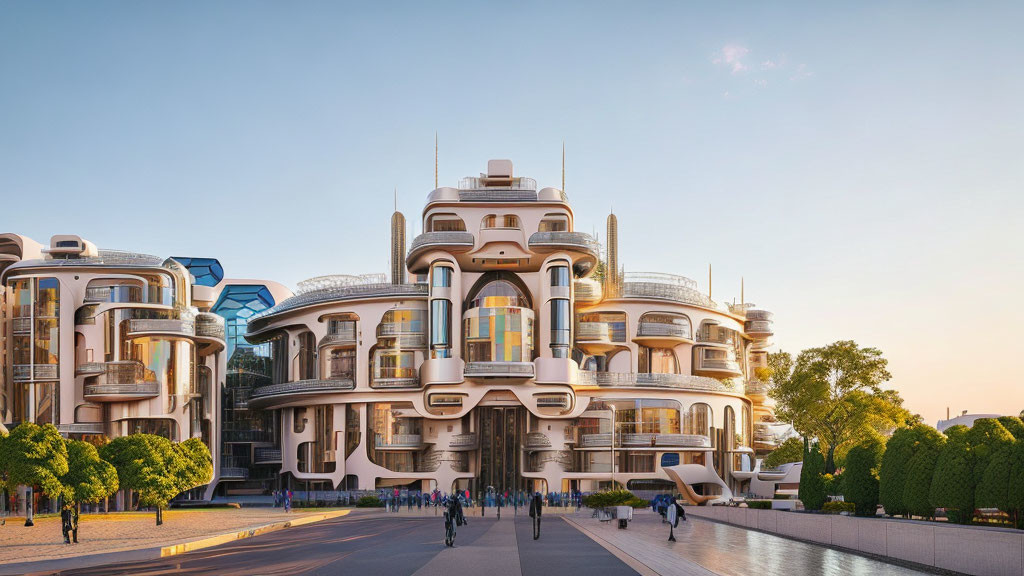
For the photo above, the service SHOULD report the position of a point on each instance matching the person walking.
(69, 523)
(673, 519)
(536, 504)
(288, 500)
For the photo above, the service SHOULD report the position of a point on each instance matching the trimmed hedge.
(614, 498)
(369, 502)
(952, 485)
(759, 504)
(920, 472)
(835, 507)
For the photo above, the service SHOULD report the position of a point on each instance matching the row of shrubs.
(613, 498)
(919, 471)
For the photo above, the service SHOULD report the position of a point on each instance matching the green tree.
(196, 464)
(1013, 425)
(147, 464)
(892, 474)
(921, 471)
(1015, 492)
(953, 482)
(987, 438)
(792, 450)
(35, 456)
(812, 483)
(834, 394)
(89, 477)
(860, 478)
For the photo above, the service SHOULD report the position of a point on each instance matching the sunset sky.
(861, 166)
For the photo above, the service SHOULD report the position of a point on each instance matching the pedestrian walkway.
(706, 548)
(495, 552)
(129, 531)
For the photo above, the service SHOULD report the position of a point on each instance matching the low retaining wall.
(967, 549)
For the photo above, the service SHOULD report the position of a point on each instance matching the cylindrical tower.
(397, 248)
(611, 271)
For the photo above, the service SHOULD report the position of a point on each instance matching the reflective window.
(600, 323)
(554, 223)
(559, 276)
(504, 221)
(440, 328)
(657, 361)
(560, 328)
(341, 364)
(445, 223)
(442, 277)
(697, 420)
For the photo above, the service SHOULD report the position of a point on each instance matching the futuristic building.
(515, 357)
(109, 343)
(505, 350)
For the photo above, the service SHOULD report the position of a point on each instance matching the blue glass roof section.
(208, 271)
(242, 301)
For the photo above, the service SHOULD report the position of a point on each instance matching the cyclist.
(452, 517)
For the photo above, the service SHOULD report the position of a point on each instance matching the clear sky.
(860, 165)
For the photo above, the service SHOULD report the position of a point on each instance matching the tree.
(953, 483)
(834, 394)
(892, 474)
(987, 438)
(89, 478)
(157, 468)
(860, 478)
(921, 471)
(1013, 425)
(792, 450)
(1015, 492)
(145, 463)
(35, 456)
(812, 484)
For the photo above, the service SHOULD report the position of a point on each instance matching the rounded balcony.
(278, 394)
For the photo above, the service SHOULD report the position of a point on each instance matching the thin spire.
(743, 299)
(709, 280)
(435, 160)
(396, 198)
(563, 165)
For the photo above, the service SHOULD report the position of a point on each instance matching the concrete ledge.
(241, 535)
(966, 549)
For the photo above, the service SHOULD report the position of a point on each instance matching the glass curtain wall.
(35, 349)
(498, 323)
(561, 314)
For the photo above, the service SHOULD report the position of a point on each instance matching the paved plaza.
(374, 542)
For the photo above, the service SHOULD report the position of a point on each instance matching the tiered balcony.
(715, 362)
(596, 337)
(234, 473)
(464, 442)
(587, 291)
(662, 334)
(642, 380)
(266, 396)
(537, 441)
(519, 370)
(393, 383)
(344, 336)
(34, 372)
(582, 245)
(757, 389)
(454, 242)
(759, 324)
(120, 381)
(175, 328)
(630, 440)
(651, 285)
(82, 428)
(209, 332)
(398, 442)
(407, 337)
(267, 455)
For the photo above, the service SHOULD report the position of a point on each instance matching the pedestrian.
(288, 501)
(69, 523)
(673, 519)
(535, 511)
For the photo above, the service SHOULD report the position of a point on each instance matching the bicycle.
(449, 529)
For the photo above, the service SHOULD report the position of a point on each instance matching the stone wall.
(966, 549)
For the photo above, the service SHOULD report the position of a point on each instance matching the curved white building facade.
(515, 357)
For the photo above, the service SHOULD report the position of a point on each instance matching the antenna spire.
(563, 165)
(743, 299)
(709, 280)
(435, 160)
(396, 198)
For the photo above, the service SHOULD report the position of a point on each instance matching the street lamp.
(611, 463)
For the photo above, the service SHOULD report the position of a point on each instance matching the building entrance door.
(502, 431)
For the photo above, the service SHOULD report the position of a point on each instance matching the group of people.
(670, 510)
(283, 497)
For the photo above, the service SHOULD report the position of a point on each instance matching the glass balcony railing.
(642, 380)
(663, 330)
(464, 441)
(382, 441)
(499, 370)
(537, 440)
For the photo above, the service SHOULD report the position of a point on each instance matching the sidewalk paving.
(133, 534)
